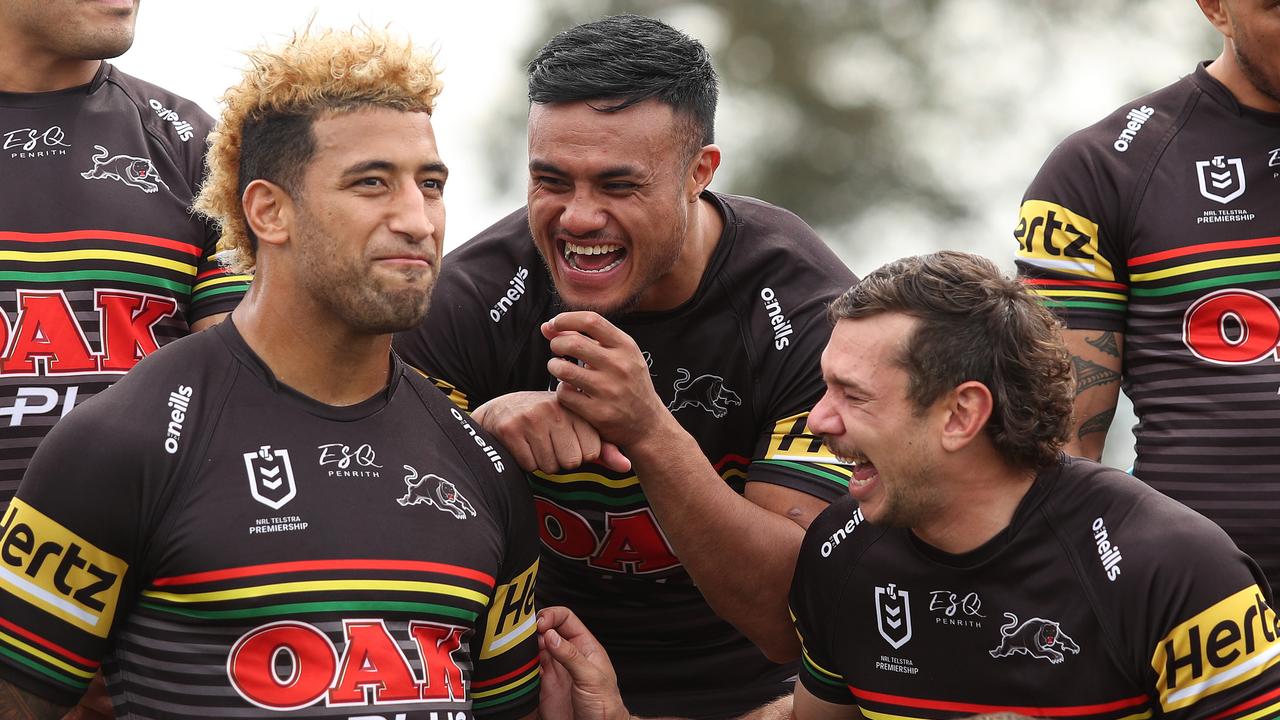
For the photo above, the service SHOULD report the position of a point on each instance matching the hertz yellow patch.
(56, 570)
(1053, 237)
(790, 440)
(1230, 643)
(512, 615)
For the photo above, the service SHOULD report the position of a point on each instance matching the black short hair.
(627, 59)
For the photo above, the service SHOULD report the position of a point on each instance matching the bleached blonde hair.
(281, 94)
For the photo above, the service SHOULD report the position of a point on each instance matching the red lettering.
(46, 328)
(372, 660)
(251, 665)
(1232, 327)
(564, 531)
(634, 543)
(441, 675)
(128, 326)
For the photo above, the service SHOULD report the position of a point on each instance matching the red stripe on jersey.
(501, 678)
(182, 247)
(1076, 283)
(49, 645)
(213, 272)
(322, 565)
(1247, 704)
(1206, 247)
(736, 459)
(1066, 711)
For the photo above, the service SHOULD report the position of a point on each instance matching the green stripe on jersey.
(625, 500)
(97, 275)
(1083, 304)
(1208, 283)
(312, 607)
(818, 674)
(219, 290)
(810, 469)
(509, 697)
(77, 685)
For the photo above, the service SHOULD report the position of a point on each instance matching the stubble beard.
(1256, 76)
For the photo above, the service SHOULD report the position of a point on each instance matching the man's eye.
(549, 181)
(433, 184)
(620, 186)
(370, 182)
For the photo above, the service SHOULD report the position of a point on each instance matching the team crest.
(705, 391)
(893, 615)
(133, 171)
(435, 491)
(270, 476)
(1221, 179)
(1036, 637)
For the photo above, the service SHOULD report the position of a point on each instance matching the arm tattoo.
(1091, 374)
(1099, 423)
(18, 704)
(1106, 342)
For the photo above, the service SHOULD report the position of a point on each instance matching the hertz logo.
(1228, 644)
(512, 615)
(1053, 237)
(57, 571)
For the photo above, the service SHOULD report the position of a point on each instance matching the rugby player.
(276, 518)
(975, 568)
(628, 306)
(1153, 235)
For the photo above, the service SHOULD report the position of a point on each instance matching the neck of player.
(26, 69)
(981, 492)
(1226, 70)
(310, 350)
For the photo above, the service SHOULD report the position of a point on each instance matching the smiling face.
(866, 419)
(369, 223)
(611, 195)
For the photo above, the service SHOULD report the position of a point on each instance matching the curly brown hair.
(265, 128)
(977, 324)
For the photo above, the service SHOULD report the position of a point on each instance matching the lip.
(588, 280)
(114, 4)
(411, 261)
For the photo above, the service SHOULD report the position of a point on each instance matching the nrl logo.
(893, 615)
(437, 492)
(1221, 179)
(270, 477)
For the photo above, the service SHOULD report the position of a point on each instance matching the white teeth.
(589, 249)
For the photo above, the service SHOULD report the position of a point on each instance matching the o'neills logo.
(1108, 552)
(1137, 117)
(781, 327)
(179, 402)
(58, 571)
(182, 127)
(514, 293)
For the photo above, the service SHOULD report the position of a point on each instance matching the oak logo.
(1228, 644)
(291, 665)
(512, 615)
(58, 571)
(1233, 326)
(632, 541)
(1053, 237)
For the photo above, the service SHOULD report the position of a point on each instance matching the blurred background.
(893, 127)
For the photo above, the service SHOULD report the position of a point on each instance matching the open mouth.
(597, 258)
(864, 471)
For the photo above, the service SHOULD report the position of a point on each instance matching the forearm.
(18, 704)
(741, 556)
(1095, 356)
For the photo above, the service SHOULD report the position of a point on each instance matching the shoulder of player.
(178, 124)
(499, 263)
(840, 533)
(1126, 139)
(775, 242)
(1122, 529)
(474, 444)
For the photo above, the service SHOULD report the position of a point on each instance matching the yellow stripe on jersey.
(563, 478)
(52, 660)
(1053, 237)
(63, 255)
(1230, 643)
(1268, 258)
(319, 586)
(1080, 293)
(211, 282)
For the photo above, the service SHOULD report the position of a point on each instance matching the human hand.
(610, 386)
(542, 435)
(578, 680)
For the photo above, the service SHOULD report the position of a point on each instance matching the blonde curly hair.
(265, 128)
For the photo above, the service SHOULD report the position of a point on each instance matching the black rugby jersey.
(101, 260)
(228, 547)
(738, 367)
(1102, 600)
(1161, 222)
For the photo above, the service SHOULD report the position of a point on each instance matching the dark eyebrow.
(848, 384)
(609, 173)
(386, 166)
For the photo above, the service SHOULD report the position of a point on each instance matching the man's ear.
(968, 407)
(268, 210)
(1216, 12)
(701, 170)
